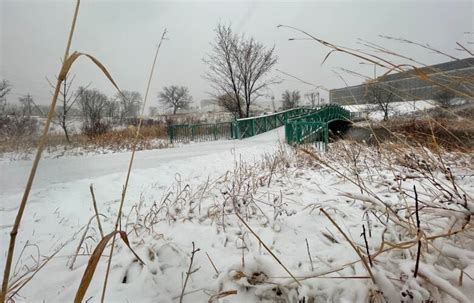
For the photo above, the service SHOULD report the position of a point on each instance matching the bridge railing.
(200, 132)
(237, 129)
(248, 127)
(299, 132)
(326, 113)
(313, 127)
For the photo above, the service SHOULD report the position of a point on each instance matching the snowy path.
(60, 196)
(14, 174)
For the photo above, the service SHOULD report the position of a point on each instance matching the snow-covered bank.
(70, 168)
(78, 150)
(192, 194)
(395, 108)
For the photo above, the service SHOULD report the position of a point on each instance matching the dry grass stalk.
(124, 191)
(221, 295)
(94, 260)
(96, 211)
(441, 191)
(21, 209)
(465, 49)
(367, 245)
(309, 255)
(151, 137)
(212, 263)
(387, 64)
(453, 292)
(373, 197)
(189, 272)
(19, 284)
(80, 243)
(268, 249)
(65, 67)
(352, 245)
(379, 61)
(418, 233)
(320, 275)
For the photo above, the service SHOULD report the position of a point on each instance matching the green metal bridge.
(314, 127)
(302, 125)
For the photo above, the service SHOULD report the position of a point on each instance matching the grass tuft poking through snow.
(287, 197)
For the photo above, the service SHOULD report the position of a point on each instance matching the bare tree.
(382, 96)
(290, 99)
(5, 88)
(113, 111)
(227, 102)
(238, 68)
(312, 97)
(67, 98)
(153, 111)
(175, 97)
(16, 121)
(130, 102)
(93, 105)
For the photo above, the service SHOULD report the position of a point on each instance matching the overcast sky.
(124, 34)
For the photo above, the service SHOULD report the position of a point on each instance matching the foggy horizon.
(124, 35)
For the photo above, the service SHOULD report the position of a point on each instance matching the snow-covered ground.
(395, 108)
(182, 160)
(86, 150)
(193, 193)
(60, 202)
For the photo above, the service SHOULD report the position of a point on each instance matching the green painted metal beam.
(314, 127)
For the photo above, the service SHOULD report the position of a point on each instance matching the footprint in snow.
(135, 268)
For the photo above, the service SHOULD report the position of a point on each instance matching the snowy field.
(60, 203)
(395, 108)
(76, 150)
(196, 193)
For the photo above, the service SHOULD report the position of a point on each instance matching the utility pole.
(26, 102)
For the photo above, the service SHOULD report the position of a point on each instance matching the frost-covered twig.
(351, 243)
(418, 231)
(96, 211)
(309, 255)
(366, 245)
(189, 272)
